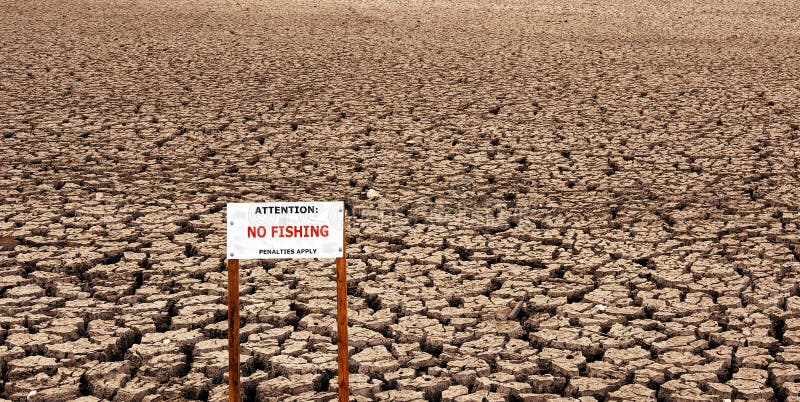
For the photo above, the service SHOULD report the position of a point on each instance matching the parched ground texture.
(625, 172)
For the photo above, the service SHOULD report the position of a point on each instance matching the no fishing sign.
(286, 230)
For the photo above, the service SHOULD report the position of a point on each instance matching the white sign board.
(285, 230)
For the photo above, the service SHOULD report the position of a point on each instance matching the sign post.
(234, 392)
(341, 322)
(286, 230)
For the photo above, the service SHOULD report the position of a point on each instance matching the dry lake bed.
(549, 200)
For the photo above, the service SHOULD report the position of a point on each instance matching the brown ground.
(628, 170)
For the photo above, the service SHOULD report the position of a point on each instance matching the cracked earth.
(555, 200)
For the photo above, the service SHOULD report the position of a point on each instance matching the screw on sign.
(285, 230)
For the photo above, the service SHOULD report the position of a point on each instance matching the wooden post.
(234, 392)
(341, 318)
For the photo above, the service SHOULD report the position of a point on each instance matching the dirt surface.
(624, 173)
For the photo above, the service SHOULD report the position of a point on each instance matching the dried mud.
(553, 200)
